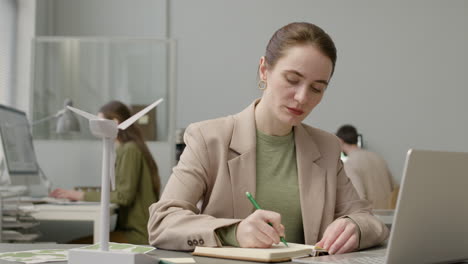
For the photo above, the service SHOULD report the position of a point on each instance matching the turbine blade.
(138, 115)
(83, 113)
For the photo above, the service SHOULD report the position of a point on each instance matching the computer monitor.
(360, 143)
(17, 154)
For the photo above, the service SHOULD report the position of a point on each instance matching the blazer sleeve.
(372, 230)
(175, 221)
(356, 180)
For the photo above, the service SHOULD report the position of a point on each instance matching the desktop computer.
(360, 143)
(18, 163)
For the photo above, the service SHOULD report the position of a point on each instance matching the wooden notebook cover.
(277, 253)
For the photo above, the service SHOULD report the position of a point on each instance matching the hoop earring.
(262, 85)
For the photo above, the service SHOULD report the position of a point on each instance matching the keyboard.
(363, 260)
(344, 260)
(46, 199)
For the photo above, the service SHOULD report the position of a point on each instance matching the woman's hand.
(67, 194)
(255, 232)
(341, 236)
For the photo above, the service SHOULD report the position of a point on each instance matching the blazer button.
(195, 242)
(189, 242)
(201, 242)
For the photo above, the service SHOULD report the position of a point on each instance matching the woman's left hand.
(341, 236)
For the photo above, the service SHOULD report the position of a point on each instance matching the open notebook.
(277, 253)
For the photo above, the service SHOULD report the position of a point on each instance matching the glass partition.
(94, 71)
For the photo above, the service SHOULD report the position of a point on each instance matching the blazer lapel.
(311, 183)
(242, 165)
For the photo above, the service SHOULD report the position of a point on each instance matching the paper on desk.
(122, 247)
(49, 255)
(36, 256)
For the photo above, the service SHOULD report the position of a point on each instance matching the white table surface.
(75, 212)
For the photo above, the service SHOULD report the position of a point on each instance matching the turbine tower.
(108, 130)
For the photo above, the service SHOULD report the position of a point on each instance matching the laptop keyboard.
(363, 260)
(352, 260)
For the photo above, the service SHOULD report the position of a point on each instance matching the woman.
(137, 180)
(293, 170)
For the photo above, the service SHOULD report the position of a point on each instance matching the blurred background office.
(401, 74)
(367, 170)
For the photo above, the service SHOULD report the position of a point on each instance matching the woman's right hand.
(67, 194)
(255, 232)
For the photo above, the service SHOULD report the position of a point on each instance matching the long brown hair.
(119, 111)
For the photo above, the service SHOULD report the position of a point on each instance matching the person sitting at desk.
(293, 170)
(137, 182)
(367, 170)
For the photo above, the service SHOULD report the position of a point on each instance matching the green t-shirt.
(277, 186)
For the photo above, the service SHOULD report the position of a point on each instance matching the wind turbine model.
(108, 130)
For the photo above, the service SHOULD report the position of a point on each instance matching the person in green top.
(136, 177)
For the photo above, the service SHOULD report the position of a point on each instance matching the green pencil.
(255, 204)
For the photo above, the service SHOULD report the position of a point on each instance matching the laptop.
(431, 218)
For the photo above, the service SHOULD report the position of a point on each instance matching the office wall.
(7, 43)
(400, 78)
(401, 75)
(137, 18)
(26, 17)
(17, 20)
(80, 161)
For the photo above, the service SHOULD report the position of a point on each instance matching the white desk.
(75, 212)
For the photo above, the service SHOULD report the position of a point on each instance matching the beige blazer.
(217, 167)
